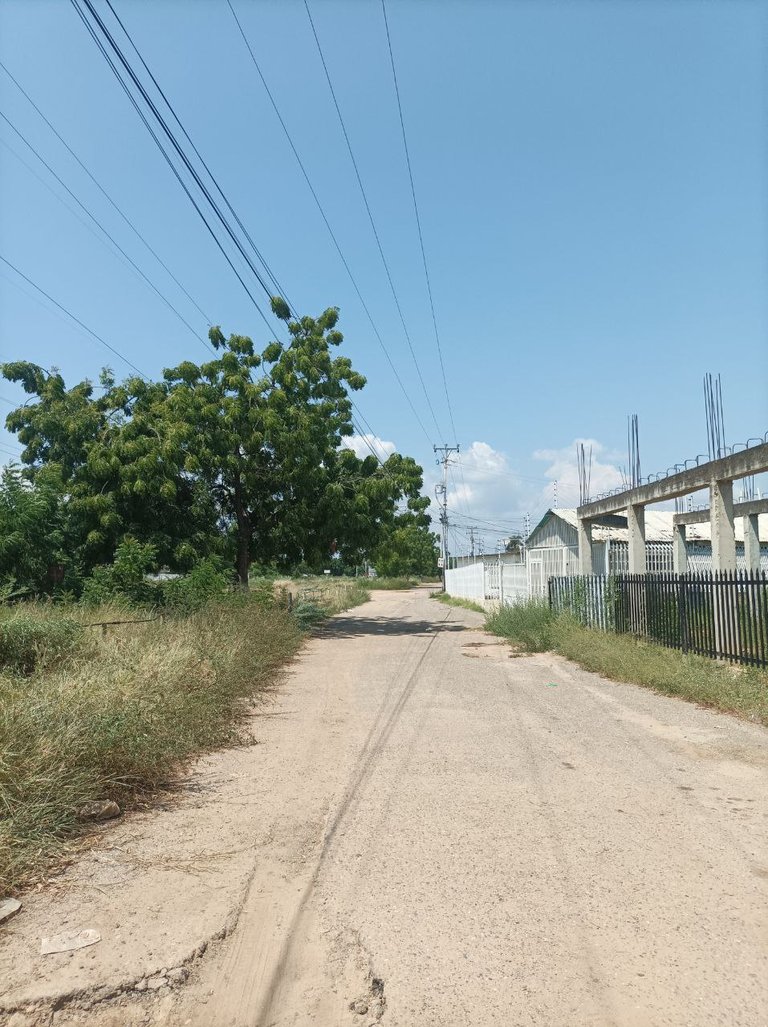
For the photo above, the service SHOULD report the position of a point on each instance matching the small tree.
(259, 429)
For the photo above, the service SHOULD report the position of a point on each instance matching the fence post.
(682, 611)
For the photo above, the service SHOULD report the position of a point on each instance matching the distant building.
(552, 549)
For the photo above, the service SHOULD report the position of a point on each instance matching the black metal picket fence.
(722, 615)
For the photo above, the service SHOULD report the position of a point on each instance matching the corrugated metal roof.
(658, 527)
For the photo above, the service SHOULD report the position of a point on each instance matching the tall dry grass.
(118, 715)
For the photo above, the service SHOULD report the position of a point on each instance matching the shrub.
(123, 581)
(28, 644)
(308, 613)
(204, 583)
(530, 625)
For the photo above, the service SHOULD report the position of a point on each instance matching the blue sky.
(591, 179)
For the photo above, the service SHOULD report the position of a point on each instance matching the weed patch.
(126, 719)
(30, 643)
(532, 626)
(465, 604)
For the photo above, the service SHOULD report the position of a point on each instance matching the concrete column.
(721, 520)
(679, 550)
(585, 547)
(751, 543)
(636, 525)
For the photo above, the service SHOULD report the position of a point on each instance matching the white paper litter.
(8, 907)
(68, 941)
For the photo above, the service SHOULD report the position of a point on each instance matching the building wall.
(555, 532)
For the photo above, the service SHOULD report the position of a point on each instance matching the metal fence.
(722, 615)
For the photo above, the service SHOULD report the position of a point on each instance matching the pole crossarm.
(727, 468)
(754, 506)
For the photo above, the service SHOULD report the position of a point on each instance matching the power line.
(421, 240)
(280, 291)
(184, 158)
(370, 216)
(418, 218)
(77, 320)
(327, 224)
(174, 142)
(101, 227)
(104, 193)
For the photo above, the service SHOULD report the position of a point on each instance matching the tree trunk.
(243, 539)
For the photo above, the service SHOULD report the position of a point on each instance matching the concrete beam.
(679, 549)
(754, 506)
(751, 543)
(585, 547)
(727, 468)
(636, 525)
(723, 536)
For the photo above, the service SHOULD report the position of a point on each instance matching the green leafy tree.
(261, 429)
(32, 537)
(117, 479)
(242, 456)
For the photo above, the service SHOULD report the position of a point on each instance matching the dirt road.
(439, 834)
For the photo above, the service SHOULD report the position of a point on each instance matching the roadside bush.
(123, 581)
(28, 644)
(204, 583)
(308, 614)
(531, 625)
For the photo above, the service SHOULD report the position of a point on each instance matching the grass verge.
(120, 717)
(533, 627)
(465, 604)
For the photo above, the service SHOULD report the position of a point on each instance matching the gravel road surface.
(441, 833)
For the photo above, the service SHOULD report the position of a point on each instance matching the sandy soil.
(429, 832)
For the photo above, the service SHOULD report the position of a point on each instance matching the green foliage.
(32, 538)
(407, 549)
(241, 454)
(307, 614)
(261, 431)
(28, 644)
(530, 625)
(123, 581)
(205, 583)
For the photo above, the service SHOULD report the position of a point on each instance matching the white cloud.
(562, 466)
(361, 446)
(486, 489)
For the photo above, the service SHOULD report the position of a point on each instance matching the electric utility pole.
(441, 493)
(472, 530)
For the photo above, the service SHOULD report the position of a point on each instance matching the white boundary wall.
(480, 582)
(467, 582)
